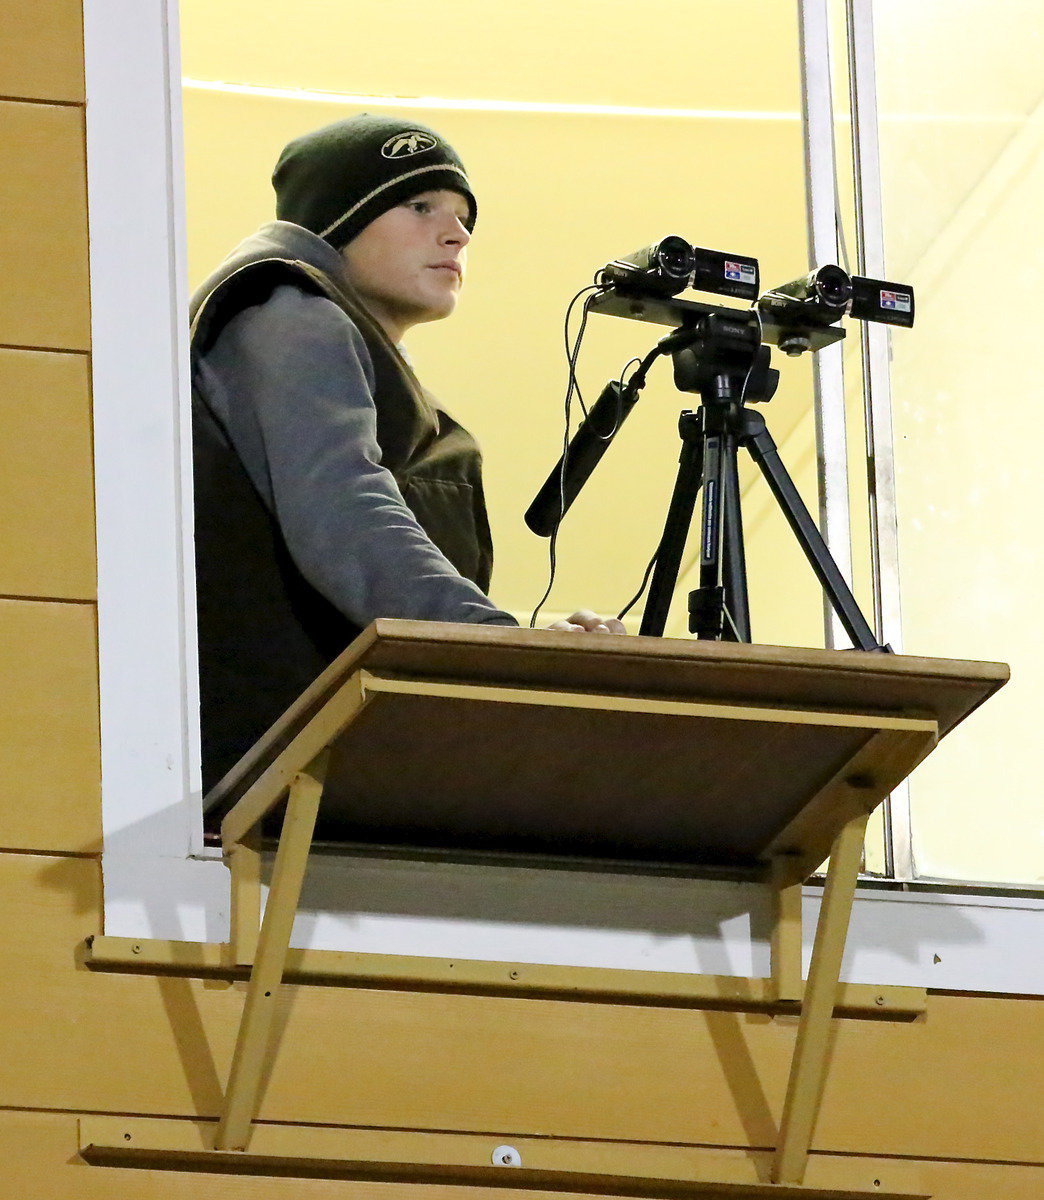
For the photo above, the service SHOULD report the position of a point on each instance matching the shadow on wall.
(502, 912)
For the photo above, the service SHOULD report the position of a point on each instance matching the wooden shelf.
(732, 757)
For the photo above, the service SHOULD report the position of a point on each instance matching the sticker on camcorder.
(896, 301)
(740, 272)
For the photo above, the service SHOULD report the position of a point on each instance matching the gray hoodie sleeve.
(292, 382)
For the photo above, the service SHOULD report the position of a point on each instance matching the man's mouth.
(448, 265)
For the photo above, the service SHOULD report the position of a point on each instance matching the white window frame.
(160, 879)
(151, 810)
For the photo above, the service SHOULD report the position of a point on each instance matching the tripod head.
(724, 361)
(717, 353)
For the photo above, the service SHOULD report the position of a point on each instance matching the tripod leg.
(707, 602)
(734, 565)
(676, 529)
(763, 450)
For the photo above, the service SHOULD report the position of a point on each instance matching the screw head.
(506, 1156)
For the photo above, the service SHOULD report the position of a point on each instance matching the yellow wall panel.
(44, 300)
(46, 476)
(974, 1181)
(85, 1040)
(42, 49)
(41, 1162)
(49, 755)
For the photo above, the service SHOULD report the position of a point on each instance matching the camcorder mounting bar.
(685, 314)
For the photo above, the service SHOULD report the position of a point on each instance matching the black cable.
(573, 352)
(761, 330)
(572, 355)
(621, 387)
(645, 583)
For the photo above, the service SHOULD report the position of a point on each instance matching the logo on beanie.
(402, 145)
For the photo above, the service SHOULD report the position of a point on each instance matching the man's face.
(408, 264)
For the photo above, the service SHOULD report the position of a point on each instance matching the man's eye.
(420, 206)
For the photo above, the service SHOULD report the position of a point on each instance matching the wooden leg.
(786, 932)
(808, 1069)
(244, 863)
(245, 1078)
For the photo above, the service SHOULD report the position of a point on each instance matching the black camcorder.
(671, 265)
(829, 293)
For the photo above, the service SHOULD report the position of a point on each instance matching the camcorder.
(671, 265)
(824, 296)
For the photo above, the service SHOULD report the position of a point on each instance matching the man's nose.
(456, 232)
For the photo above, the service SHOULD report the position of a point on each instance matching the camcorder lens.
(674, 257)
(833, 287)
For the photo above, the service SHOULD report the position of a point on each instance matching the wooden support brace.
(406, 1163)
(246, 1077)
(244, 863)
(396, 1161)
(606, 985)
(785, 950)
(313, 740)
(808, 1069)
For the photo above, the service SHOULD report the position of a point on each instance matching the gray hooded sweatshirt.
(330, 489)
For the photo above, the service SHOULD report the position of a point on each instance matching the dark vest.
(264, 632)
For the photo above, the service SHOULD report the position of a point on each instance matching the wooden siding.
(42, 50)
(49, 753)
(46, 476)
(161, 1046)
(44, 299)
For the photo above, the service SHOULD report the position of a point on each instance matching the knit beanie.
(338, 179)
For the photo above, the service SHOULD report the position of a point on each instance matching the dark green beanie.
(338, 179)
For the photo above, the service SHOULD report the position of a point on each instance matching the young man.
(329, 487)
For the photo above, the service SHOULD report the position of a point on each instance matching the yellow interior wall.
(583, 52)
(81, 1042)
(559, 195)
(963, 190)
(970, 491)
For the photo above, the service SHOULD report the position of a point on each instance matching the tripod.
(723, 360)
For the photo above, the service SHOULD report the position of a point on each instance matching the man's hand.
(586, 621)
